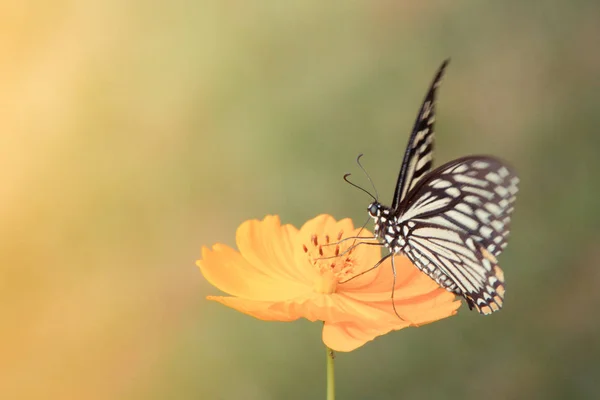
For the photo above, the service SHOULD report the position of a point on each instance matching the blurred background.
(132, 133)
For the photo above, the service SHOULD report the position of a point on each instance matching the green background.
(135, 132)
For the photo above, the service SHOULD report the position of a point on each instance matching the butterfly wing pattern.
(452, 222)
(418, 157)
(457, 221)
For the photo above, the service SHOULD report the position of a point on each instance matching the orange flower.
(281, 274)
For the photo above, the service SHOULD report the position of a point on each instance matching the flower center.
(332, 261)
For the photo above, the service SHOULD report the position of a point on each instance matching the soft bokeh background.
(134, 132)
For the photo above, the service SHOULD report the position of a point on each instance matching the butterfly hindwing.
(418, 157)
(458, 264)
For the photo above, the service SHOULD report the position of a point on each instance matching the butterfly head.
(375, 209)
(381, 216)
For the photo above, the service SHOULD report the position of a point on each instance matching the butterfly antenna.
(358, 187)
(368, 176)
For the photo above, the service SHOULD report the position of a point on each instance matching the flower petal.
(226, 269)
(325, 224)
(258, 309)
(334, 308)
(382, 278)
(420, 310)
(348, 336)
(318, 227)
(418, 299)
(317, 307)
(269, 248)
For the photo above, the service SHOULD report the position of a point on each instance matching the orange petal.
(258, 309)
(226, 269)
(410, 282)
(321, 225)
(269, 248)
(420, 309)
(427, 308)
(325, 224)
(382, 278)
(348, 336)
(319, 307)
(332, 308)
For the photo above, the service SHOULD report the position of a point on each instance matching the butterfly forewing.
(418, 157)
(474, 195)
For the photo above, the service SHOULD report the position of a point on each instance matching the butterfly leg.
(351, 238)
(469, 303)
(394, 287)
(370, 269)
(350, 249)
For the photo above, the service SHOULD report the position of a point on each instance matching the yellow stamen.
(331, 269)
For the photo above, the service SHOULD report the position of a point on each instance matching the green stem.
(330, 374)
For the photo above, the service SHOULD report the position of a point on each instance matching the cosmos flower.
(282, 273)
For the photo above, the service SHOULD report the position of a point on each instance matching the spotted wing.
(474, 195)
(457, 222)
(458, 264)
(418, 157)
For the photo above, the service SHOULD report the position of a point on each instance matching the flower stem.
(330, 374)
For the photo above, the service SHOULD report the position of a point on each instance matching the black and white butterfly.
(452, 222)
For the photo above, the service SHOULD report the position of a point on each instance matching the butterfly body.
(451, 222)
(395, 235)
(387, 227)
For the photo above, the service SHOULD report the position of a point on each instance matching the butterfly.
(452, 222)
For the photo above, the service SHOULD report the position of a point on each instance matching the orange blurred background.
(134, 132)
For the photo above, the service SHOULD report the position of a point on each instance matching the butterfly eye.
(373, 209)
